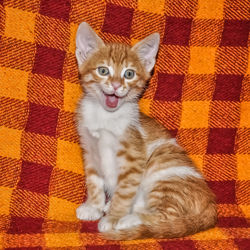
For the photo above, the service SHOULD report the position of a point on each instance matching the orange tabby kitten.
(154, 188)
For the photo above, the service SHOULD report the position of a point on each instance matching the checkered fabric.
(200, 91)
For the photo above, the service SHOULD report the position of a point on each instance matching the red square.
(235, 33)
(49, 61)
(228, 87)
(104, 247)
(35, 177)
(42, 119)
(25, 225)
(89, 227)
(224, 191)
(242, 244)
(177, 30)
(169, 87)
(232, 222)
(118, 20)
(221, 140)
(57, 9)
(177, 244)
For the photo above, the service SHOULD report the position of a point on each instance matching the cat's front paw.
(128, 221)
(106, 223)
(88, 212)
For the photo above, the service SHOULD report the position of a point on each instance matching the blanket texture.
(200, 91)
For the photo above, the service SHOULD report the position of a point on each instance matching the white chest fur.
(100, 132)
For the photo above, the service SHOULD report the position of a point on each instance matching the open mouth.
(111, 100)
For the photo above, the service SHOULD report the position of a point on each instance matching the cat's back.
(152, 129)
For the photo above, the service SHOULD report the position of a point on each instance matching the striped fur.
(154, 188)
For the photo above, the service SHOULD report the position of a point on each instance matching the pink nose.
(116, 85)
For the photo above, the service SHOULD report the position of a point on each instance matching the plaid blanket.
(200, 91)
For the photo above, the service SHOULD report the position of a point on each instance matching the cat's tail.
(158, 226)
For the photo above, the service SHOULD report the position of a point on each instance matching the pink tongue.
(111, 101)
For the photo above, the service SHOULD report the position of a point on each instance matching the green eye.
(129, 74)
(104, 71)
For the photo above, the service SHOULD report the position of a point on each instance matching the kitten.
(154, 188)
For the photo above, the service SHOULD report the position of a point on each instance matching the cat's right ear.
(87, 41)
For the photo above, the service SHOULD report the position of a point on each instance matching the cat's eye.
(103, 71)
(129, 74)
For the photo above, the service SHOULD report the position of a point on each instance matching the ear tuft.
(87, 41)
(147, 50)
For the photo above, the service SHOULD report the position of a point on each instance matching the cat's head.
(114, 73)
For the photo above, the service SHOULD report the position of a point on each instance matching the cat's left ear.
(87, 42)
(147, 50)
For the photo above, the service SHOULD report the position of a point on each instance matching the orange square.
(58, 30)
(10, 141)
(198, 161)
(5, 197)
(13, 83)
(206, 32)
(245, 114)
(39, 149)
(246, 210)
(66, 240)
(72, 44)
(19, 24)
(243, 169)
(173, 59)
(194, 140)
(194, 114)
(145, 106)
(180, 8)
(72, 162)
(198, 87)
(231, 60)
(72, 94)
(224, 114)
(35, 205)
(210, 9)
(46, 90)
(211, 234)
(142, 24)
(62, 210)
(202, 60)
(156, 6)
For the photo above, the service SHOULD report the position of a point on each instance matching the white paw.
(128, 221)
(88, 212)
(105, 224)
(106, 207)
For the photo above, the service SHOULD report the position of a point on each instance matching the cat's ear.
(147, 50)
(87, 41)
